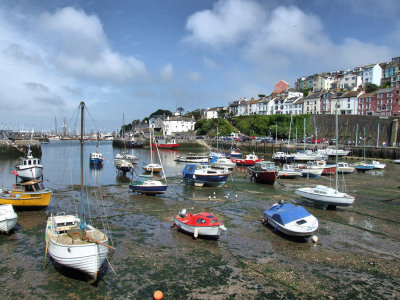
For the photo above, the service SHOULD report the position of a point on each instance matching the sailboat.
(152, 167)
(73, 243)
(326, 196)
(363, 166)
(124, 161)
(150, 186)
(96, 158)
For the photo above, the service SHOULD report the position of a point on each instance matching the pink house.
(280, 87)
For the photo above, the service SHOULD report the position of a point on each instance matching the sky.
(128, 58)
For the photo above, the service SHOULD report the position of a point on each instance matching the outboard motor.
(182, 213)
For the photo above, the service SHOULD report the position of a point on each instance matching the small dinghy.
(290, 219)
(8, 218)
(202, 224)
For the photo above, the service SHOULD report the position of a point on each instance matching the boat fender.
(284, 174)
(196, 233)
(194, 176)
(264, 221)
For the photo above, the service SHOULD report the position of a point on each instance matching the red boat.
(264, 172)
(328, 169)
(201, 224)
(166, 145)
(249, 160)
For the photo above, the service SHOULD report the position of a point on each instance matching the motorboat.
(288, 172)
(344, 168)
(127, 157)
(325, 196)
(29, 168)
(290, 219)
(26, 194)
(123, 165)
(8, 218)
(151, 187)
(249, 160)
(193, 158)
(283, 157)
(397, 161)
(332, 152)
(202, 224)
(327, 169)
(263, 172)
(172, 144)
(222, 163)
(204, 175)
(235, 153)
(96, 158)
(363, 166)
(73, 243)
(132, 143)
(312, 170)
(153, 168)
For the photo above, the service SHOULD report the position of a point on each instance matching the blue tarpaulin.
(286, 213)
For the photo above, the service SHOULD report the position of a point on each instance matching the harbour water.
(357, 256)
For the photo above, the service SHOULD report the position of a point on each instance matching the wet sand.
(357, 257)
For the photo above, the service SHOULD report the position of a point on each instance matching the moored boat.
(249, 160)
(150, 187)
(288, 172)
(363, 166)
(200, 225)
(222, 163)
(204, 175)
(344, 168)
(283, 157)
(96, 158)
(264, 172)
(163, 144)
(8, 218)
(29, 168)
(378, 165)
(325, 196)
(193, 158)
(153, 168)
(290, 219)
(327, 169)
(26, 194)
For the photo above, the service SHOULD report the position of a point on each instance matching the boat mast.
(304, 135)
(217, 137)
(82, 214)
(337, 141)
(151, 145)
(290, 130)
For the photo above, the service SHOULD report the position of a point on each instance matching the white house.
(349, 81)
(371, 74)
(173, 125)
(312, 103)
(212, 113)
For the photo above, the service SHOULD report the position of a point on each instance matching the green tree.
(385, 85)
(180, 110)
(370, 87)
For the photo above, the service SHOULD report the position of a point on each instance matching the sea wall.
(19, 148)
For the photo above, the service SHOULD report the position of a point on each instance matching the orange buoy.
(226, 185)
(158, 295)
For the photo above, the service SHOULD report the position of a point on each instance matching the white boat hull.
(210, 231)
(293, 229)
(346, 170)
(29, 173)
(86, 257)
(329, 199)
(8, 218)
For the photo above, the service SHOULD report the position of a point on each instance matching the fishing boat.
(200, 225)
(235, 153)
(344, 168)
(249, 160)
(363, 166)
(123, 165)
(96, 158)
(29, 168)
(324, 196)
(263, 172)
(164, 144)
(26, 194)
(378, 165)
(332, 152)
(397, 161)
(193, 158)
(150, 186)
(311, 170)
(73, 243)
(290, 219)
(288, 172)
(327, 169)
(222, 163)
(8, 218)
(132, 143)
(283, 157)
(204, 175)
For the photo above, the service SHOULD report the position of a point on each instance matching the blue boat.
(150, 187)
(290, 219)
(363, 166)
(96, 158)
(204, 175)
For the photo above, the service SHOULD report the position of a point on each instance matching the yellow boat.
(29, 194)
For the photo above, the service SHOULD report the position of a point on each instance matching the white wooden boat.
(8, 218)
(344, 168)
(126, 156)
(73, 243)
(288, 171)
(290, 219)
(193, 158)
(123, 165)
(154, 168)
(378, 165)
(29, 168)
(333, 151)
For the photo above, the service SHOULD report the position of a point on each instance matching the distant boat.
(344, 168)
(332, 152)
(283, 157)
(132, 143)
(26, 194)
(378, 165)
(96, 158)
(29, 168)
(163, 144)
(8, 218)
(288, 172)
(327, 169)
(204, 175)
(200, 225)
(249, 160)
(153, 168)
(264, 172)
(363, 166)
(235, 153)
(73, 243)
(123, 165)
(222, 163)
(192, 158)
(397, 161)
(290, 219)
(312, 170)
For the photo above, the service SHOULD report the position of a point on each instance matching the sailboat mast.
(290, 129)
(82, 214)
(337, 142)
(304, 135)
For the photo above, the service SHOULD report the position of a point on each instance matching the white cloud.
(81, 48)
(209, 63)
(167, 73)
(227, 24)
(194, 76)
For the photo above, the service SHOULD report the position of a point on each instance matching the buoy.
(196, 232)
(209, 197)
(314, 238)
(158, 295)
(104, 195)
(226, 185)
(214, 197)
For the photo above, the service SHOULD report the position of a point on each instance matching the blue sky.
(133, 57)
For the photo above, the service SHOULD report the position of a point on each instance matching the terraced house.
(384, 102)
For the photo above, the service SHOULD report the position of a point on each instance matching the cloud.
(209, 63)
(167, 73)
(37, 86)
(228, 23)
(194, 76)
(81, 48)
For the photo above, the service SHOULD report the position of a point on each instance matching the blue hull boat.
(150, 187)
(204, 175)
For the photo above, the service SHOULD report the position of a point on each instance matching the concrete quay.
(18, 148)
